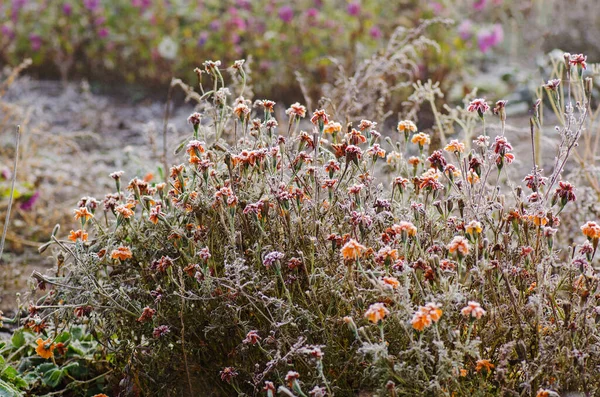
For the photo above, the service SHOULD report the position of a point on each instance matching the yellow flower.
(473, 228)
(45, 348)
(376, 312)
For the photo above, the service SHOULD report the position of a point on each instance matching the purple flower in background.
(7, 31)
(375, 33)
(312, 12)
(215, 25)
(91, 5)
(238, 23)
(103, 32)
(479, 4)
(286, 14)
(16, 7)
(67, 9)
(487, 39)
(245, 4)
(99, 21)
(18, 4)
(436, 7)
(353, 9)
(28, 204)
(35, 41)
(202, 39)
(465, 29)
(143, 4)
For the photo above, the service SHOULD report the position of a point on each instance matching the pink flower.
(375, 33)
(286, 14)
(465, 29)
(35, 41)
(479, 4)
(479, 105)
(353, 9)
(487, 39)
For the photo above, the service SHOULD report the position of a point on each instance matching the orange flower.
(538, 219)
(100, 395)
(390, 282)
(353, 250)
(591, 230)
(472, 178)
(83, 212)
(426, 315)
(386, 255)
(421, 139)
(455, 146)
(473, 309)
(407, 126)
(463, 372)
(332, 127)
(460, 245)
(376, 312)
(79, 234)
(155, 212)
(543, 393)
(481, 364)
(414, 161)
(405, 229)
(45, 348)
(121, 253)
(125, 210)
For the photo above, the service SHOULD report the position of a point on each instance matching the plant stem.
(12, 192)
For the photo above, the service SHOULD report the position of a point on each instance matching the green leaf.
(63, 337)
(76, 333)
(7, 390)
(10, 375)
(76, 371)
(83, 348)
(18, 339)
(53, 377)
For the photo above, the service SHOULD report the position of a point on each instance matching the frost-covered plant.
(321, 258)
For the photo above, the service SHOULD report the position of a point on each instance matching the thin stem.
(12, 192)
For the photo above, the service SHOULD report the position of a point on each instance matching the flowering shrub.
(150, 40)
(303, 257)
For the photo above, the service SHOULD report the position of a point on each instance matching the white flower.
(168, 48)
